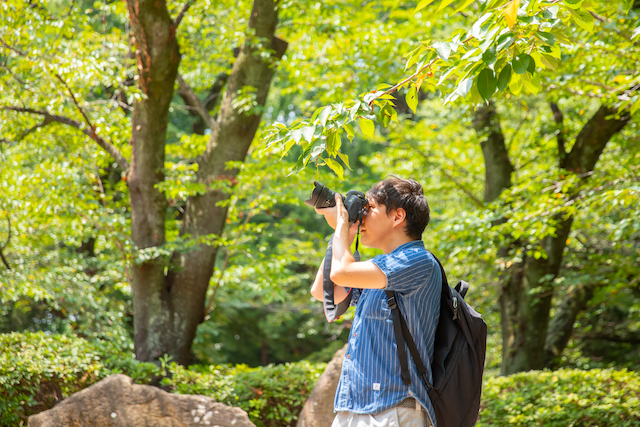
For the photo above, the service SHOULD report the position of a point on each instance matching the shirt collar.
(411, 244)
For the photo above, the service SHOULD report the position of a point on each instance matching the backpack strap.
(462, 287)
(402, 335)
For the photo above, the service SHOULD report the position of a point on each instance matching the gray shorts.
(394, 417)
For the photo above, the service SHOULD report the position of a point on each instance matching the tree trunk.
(497, 166)
(158, 58)
(526, 288)
(169, 294)
(561, 328)
(190, 273)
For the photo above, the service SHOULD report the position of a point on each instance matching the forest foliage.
(363, 90)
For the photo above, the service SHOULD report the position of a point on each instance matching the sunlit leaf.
(511, 13)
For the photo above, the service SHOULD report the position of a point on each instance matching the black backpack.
(458, 359)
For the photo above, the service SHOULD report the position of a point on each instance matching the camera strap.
(333, 311)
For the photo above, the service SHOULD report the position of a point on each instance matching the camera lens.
(321, 197)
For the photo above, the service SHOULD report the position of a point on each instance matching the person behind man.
(370, 391)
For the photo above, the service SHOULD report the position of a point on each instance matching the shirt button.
(348, 356)
(355, 335)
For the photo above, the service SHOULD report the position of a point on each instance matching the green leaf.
(350, 132)
(296, 135)
(548, 38)
(422, 5)
(324, 115)
(333, 143)
(583, 18)
(515, 85)
(486, 83)
(532, 65)
(335, 167)
(412, 99)
(521, 63)
(635, 106)
(345, 159)
(464, 86)
(316, 151)
(489, 57)
(505, 77)
(531, 83)
(573, 4)
(475, 95)
(366, 126)
(463, 6)
(560, 36)
(549, 61)
(504, 41)
(444, 4)
(443, 49)
(307, 133)
(353, 111)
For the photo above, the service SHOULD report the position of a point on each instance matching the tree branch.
(178, 19)
(408, 79)
(593, 138)
(16, 50)
(107, 146)
(4, 260)
(558, 117)
(192, 99)
(75, 101)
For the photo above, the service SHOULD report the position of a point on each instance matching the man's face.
(376, 224)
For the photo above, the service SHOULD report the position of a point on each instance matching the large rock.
(117, 402)
(318, 409)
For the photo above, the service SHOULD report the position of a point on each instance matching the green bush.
(563, 398)
(39, 370)
(272, 395)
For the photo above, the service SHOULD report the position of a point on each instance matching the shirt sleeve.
(406, 270)
(355, 296)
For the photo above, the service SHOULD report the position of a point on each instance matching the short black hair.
(394, 193)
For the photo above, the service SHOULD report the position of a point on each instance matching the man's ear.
(399, 215)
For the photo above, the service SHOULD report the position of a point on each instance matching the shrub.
(272, 395)
(563, 398)
(38, 370)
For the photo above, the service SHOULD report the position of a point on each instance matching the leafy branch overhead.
(513, 48)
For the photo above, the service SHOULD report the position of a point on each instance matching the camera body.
(323, 197)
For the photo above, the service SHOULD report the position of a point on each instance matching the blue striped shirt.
(370, 381)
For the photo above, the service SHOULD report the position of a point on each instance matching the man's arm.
(345, 270)
(339, 292)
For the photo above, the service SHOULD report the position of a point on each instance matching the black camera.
(324, 197)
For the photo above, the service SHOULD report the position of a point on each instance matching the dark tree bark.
(497, 166)
(526, 288)
(561, 327)
(158, 57)
(169, 295)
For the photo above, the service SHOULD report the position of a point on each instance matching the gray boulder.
(117, 402)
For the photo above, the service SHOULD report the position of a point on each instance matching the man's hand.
(330, 214)
(338, 214)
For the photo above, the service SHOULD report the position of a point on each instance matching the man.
(371, 391)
